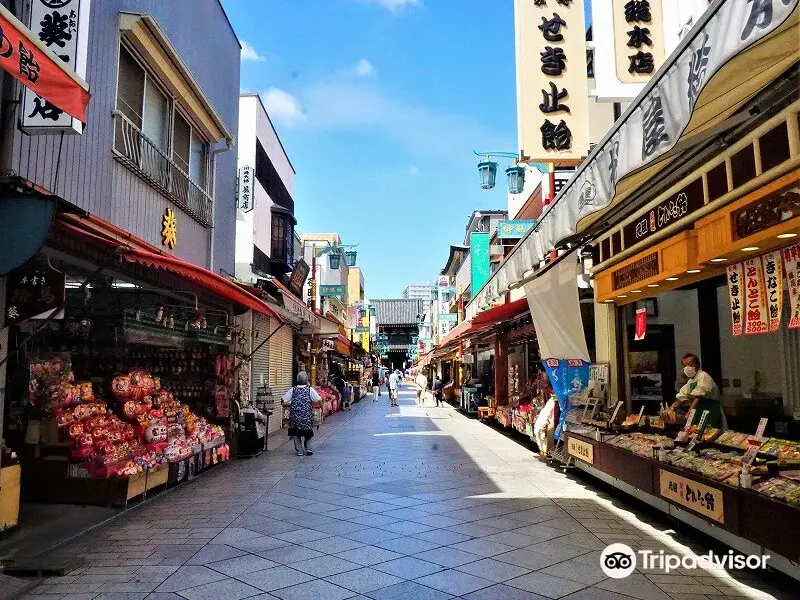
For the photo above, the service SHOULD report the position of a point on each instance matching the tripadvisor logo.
(619, 560)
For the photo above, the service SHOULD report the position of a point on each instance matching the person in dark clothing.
(436, 387)
(376, 385)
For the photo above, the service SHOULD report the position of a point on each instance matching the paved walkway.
(414, 503)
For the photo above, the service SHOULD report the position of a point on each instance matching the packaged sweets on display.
(641, 443)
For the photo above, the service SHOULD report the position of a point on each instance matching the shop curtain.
(556, 312)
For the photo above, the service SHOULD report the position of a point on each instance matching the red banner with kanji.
(36, 70)
(791, 264)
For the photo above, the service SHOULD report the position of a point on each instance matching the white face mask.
(689, 372)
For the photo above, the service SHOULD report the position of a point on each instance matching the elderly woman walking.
(301, 399)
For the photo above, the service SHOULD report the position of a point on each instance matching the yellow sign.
(638, 39)
(169, 229)
(552, 82)
(581, 450)
(699, 498)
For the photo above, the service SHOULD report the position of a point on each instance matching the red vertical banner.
(735, 297)
(791, 264)
(641, 324)
(773, 279)
(755, 298)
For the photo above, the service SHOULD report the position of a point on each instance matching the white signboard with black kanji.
(62, 26)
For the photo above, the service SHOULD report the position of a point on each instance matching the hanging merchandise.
(755, 298)
(791, 264)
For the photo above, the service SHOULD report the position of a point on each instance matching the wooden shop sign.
(631, 274)
(669, 211)
(699, 498)
(581, 450)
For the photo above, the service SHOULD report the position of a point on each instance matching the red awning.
(485, 321)
(205, 278)
(29, 61)
(501, 313)
(198, 275)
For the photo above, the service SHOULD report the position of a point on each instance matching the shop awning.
(735, 50)
(499, 314)
(198, 275)
(34, 65)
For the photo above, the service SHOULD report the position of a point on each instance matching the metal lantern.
(487, 170)
(335, 258)
(516, 179)
(350, 258)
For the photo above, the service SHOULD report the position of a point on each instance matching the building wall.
(87, 175)
(355, 285)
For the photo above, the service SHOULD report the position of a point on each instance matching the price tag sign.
(701, 427)
(641, 412)
(616, 411)
(762, 426)
(689, 419)
(750, 455)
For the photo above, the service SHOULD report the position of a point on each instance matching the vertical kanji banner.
(552, 88)
(791, 264)
(755, 316)
(773, 280)
(735, 297)
(28, 61)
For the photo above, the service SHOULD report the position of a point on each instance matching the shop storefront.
(722, 285)
(123, 369)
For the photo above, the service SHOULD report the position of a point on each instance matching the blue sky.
(379, 104)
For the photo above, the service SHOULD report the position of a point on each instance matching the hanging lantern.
(335, 258)
(350, 258)
(487, 170)
(516, 179)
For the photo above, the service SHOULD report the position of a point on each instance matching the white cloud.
(283, 107)
(394, 5)
(413, 170)
(361, 105)
(364, 68)
(250, 53)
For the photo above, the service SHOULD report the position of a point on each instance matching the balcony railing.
(142, 156)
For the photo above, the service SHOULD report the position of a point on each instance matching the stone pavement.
(409, 502)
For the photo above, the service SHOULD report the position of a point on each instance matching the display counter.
(748, 520)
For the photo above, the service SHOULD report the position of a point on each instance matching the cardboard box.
(9, 496)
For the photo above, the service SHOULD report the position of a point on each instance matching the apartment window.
(189, 151)
(282, 239)
(155, 140)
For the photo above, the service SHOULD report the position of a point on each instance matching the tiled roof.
(398, 312)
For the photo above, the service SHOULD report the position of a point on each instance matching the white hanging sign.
(244, 192)
(62, 26)
(735, 297)
(791, 264)
(773, 280)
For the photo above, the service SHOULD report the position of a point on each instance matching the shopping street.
(411, 502)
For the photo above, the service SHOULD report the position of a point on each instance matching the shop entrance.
(651, 367)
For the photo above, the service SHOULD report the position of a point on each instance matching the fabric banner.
(773, 279)
(735, 297)
(791, 264)
(755, 316)
(655, 124)
(556, 311)
(568, 377)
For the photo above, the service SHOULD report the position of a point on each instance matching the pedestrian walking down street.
(376, 385)
(422, 382)
(300, 399)
(347, 396)
(437, 390)
(394, 385)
